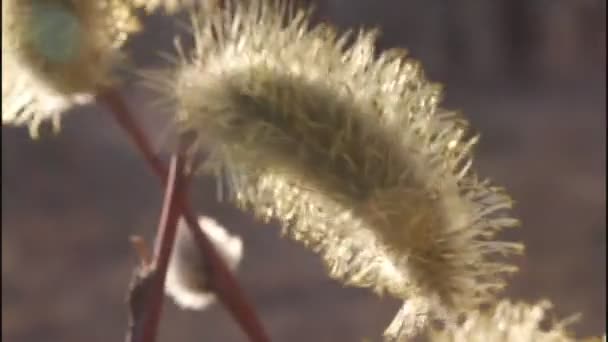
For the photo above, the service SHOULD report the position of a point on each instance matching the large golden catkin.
(347, 148)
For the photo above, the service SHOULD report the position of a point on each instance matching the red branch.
(221, 279)
(165, 237)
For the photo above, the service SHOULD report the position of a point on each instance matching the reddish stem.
(221, 279)
(163, 247)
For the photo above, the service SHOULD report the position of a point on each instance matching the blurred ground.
(70, 202)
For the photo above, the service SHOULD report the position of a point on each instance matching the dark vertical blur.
(530, 76)
(515, 40)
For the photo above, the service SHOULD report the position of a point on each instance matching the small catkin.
(348, 149)
(187, 275)
(507, 322)
(57, 53)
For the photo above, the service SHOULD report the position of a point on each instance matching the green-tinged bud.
(56, 53)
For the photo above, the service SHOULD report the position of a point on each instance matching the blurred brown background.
(530, 75)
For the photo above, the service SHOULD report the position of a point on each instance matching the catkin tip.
(506, 322)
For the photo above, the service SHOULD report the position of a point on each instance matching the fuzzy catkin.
(56, 53)
(506, 322)
(349, 151)
(187, 274)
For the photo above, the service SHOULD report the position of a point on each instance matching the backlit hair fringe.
(348, 149)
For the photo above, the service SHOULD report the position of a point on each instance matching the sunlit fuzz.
(506, 322)
(56, 53)
(347, 148)
(187, 275)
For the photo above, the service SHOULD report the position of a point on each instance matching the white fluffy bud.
(187, 276)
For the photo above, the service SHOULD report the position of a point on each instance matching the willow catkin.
(349, 151)
(56, 53)
(188, 272)
(507, 322)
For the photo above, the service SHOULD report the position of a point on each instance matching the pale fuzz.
(187, 275)
(507, 322)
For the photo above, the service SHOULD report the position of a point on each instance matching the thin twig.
(142, 281)
(221, 279)
(163, 247)
(146, 290)
(138, 298)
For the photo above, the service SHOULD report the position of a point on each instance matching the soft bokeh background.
(529, 74)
